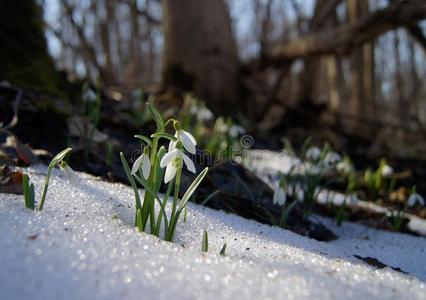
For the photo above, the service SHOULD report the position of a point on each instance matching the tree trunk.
(369, 88)
(356, 59)
(24, 59)
(362, 72)
(200, 52)
(334, 82)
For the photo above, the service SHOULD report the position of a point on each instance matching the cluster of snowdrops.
(315, 170)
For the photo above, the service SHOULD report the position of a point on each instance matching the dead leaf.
(10, 181)
(6, 159)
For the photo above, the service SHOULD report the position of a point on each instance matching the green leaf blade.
(205, 242)
(144, 138)
(156, 115)
(222, 251)
(192, 188)
(164, 135)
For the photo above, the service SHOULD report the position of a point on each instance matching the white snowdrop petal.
(72, 176)
(190, 136)
(187, 142)
(414, 199)
(168, 157)
(275, 198)
(170, 173)
(172, 145)
(236, 130)
(189, 164)
(146, 166)
(332, 157)
(313, 153)
(387, 171)
(280, 196)
(283, 197)
(411, 200)
(137, 164)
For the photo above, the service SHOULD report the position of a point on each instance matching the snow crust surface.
(83, 246)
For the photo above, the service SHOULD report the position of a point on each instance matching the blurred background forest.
(349, 71)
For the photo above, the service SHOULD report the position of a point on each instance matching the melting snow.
(76, 249)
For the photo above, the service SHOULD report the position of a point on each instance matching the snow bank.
(76, 249)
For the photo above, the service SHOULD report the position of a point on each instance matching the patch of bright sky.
(51, 11)
(246, 29)
(242, 13)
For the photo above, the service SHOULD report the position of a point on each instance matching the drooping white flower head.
(345, 167)
(313, 153)
(414, 199)
(236, 130)
(387, 171)
(312, 170)
(89, 95)
(280, 196)
(221, 125)
(71, 175)
(173, 160)
(332, 158)
(299, 193)
(204, 114)
(144, 162)
(187, 139)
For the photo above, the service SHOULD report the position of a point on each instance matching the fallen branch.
(346, 37)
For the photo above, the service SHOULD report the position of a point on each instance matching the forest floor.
(83, 246)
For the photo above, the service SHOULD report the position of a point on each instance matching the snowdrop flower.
(220, 125)
(193, 110)
(387, 171)
(300, 194)
(344, 167)
(89, 95)
(143, 161)
(280, 196)
(414, 199)
(236, 130)
(204, 114)
(313, 153)
(188, 141)
(173, 160)
(71, 175)
(313, 170)
(294, 162)
(332, 158)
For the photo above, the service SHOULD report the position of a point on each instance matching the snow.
(83, 246)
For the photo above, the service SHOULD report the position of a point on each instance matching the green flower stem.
(126, 167)
(154, 182)
(286, 213)
(174, 216)
(46, 185)
(399, 217)
(154, 195)
(177, 189)
(148, 201)
(170, 121)
(160, 215)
